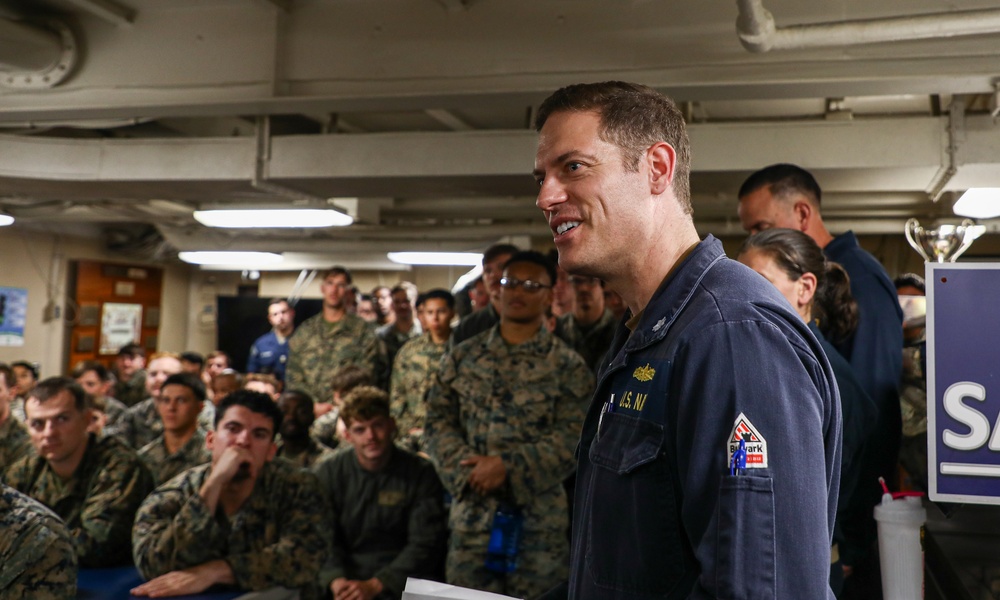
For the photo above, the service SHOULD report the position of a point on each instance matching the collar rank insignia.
(659, 324)
(644, 374)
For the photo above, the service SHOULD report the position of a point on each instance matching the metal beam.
(851, 155)
(256, 99)
(448, 119)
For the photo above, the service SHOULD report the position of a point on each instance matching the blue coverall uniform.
(658, 514)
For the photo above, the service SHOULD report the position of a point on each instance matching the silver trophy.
(943, 244)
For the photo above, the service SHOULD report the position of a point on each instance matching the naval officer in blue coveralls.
(709, 355)
(269, 352)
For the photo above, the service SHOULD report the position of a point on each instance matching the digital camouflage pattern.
(324, 429)
(590, 341)
(165, 466)
(393, 339)
(542, 562)
(114, 408)
(17, 410)
(319, 348)
(15, 443)
(526, 404)
(472, 324)
(97, 503)
(133, 391)
(277, 538)
(309, 458)
(141, 424)
(412, 374)
(36, 553)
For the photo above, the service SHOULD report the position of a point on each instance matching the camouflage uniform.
(319, 348)
(526, 404)
(277, 538)
(114, 408)
(393, 339)
(97, 503)
(412, 373)
(324, 429)
(164, 466)
(141, 424)
(36, 552)
(472, 324)
(15, 443)
(133, 391)
(913, 405)
(313, 455)
(591, 341)
(17, 410)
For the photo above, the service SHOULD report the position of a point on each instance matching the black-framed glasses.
(527, 284)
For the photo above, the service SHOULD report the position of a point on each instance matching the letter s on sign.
(979, 426)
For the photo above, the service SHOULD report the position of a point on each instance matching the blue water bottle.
(505, 539)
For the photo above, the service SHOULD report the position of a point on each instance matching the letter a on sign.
(756, 445)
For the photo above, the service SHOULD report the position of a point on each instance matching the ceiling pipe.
(261, 167)
(35, 57)
(956, 134)
(758, 33)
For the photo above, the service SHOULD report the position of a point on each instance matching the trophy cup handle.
(910, 229)
(967, 238)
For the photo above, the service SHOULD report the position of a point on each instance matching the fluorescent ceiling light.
(466, 259)
(6, 220)
(273, 217)
(235, 259)
(979, 203)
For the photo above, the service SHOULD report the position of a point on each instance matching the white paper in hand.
(422, 589)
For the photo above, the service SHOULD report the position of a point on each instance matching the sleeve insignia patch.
(756, 445)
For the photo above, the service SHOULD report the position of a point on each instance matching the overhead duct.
(262, 163)
(35, 57)
(758, 33)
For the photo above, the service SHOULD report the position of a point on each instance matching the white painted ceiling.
(420, 111)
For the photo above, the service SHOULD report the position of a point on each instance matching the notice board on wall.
(13, 315)
(116, 304)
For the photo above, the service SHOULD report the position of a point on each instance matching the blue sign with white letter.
(963, 382)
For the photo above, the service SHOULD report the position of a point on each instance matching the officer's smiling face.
(593, 204)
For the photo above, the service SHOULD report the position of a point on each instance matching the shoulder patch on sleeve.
(756, 445)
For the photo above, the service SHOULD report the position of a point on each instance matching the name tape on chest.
(756, 445)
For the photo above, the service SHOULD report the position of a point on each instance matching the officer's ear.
(662, 161)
